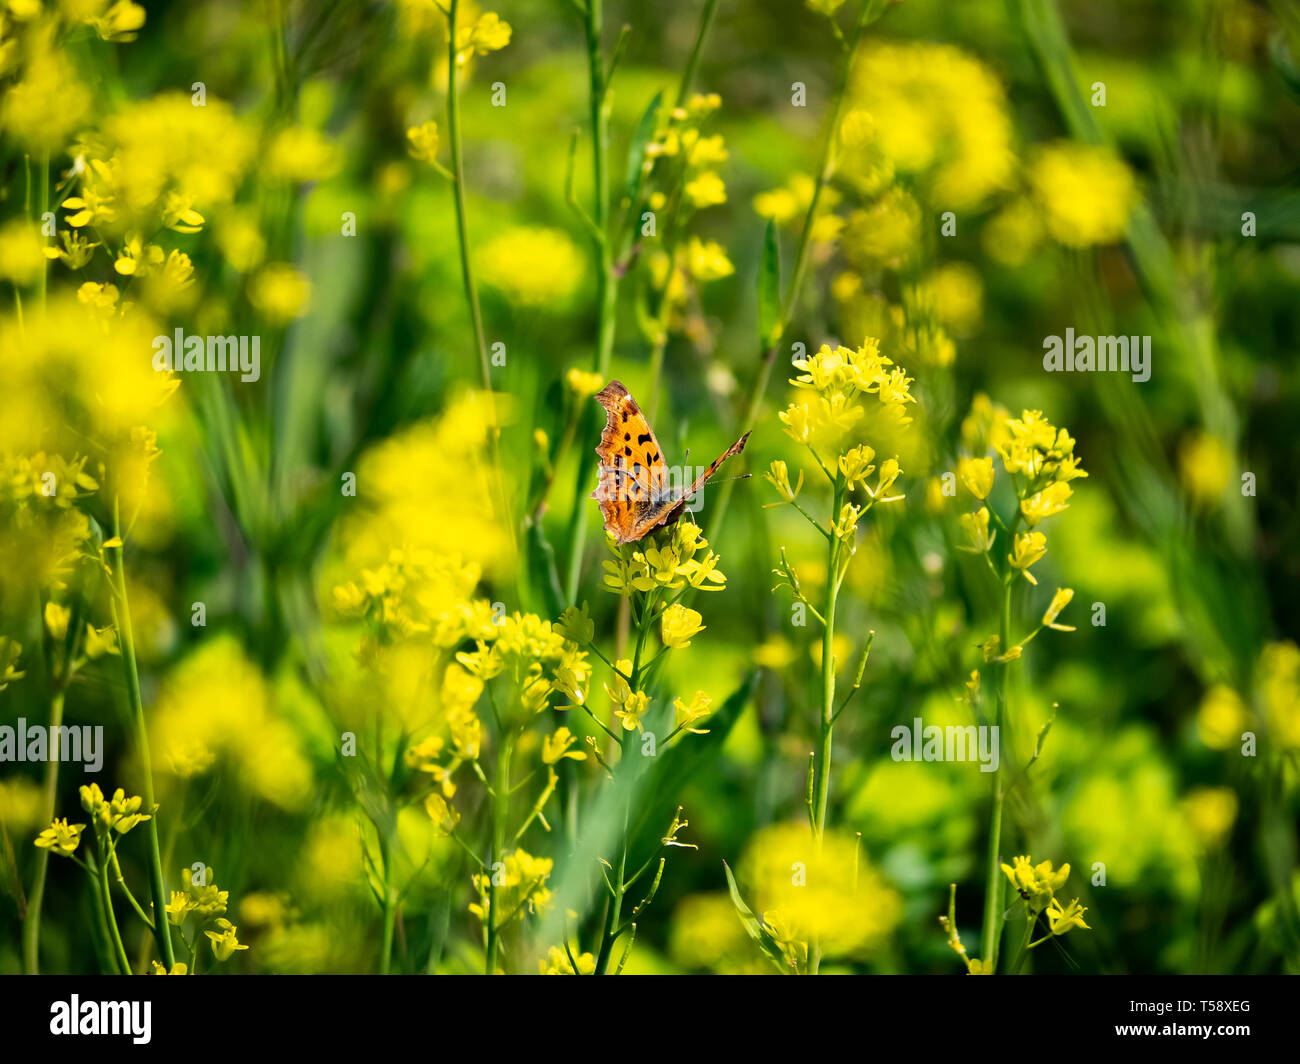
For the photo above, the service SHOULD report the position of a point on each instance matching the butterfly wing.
(633, 477)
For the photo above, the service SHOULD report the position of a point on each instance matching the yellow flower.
(1046, 503)
(1086, 193)
(423, 142)
(56, 620)
(976, 527)
(976, 476)
(680, 625)
(119, 23)
(60, 837)
(224, 941)
(442, 813)
(179, 968)
(489, 34)
(1059, 601)
(632, 710)
(124, 813)
(101, 297)
(706, 190)
(1036, 884)
(857, 464)
(138, 258)
(617, 687)
(1065, 919)
(824, 7)
(76, 250)
(576, 626)
(889, 472)
(1029, 547)
(690, 713)
(555, 747)
(178, 908)
(778, 475)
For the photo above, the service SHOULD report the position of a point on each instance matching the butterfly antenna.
(738, 476)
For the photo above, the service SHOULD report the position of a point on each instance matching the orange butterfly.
(634, 491)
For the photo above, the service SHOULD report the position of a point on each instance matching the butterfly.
(634, 488)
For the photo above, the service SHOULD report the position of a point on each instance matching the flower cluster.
(669, 559)
(1037, 885)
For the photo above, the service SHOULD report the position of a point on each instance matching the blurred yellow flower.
(1222, 717)
(1210, 813)
(22, 253)
(706, 190)
(938, 115)
(301, 154)
(1086, 193)
(1206, 466)
(280, 291)
(707, 261)
(830, 893)
(532, 265)
(423, 142)
(1278, 679)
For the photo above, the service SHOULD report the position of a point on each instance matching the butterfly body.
(634, 490)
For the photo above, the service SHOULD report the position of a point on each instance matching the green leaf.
(541, 561)
(754, 926)
(636, 149)
(769, 290)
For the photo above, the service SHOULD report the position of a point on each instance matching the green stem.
(107, 901)
(500, 807)
(1023, 952)
(122, 618)
(822, 763)
(121, 882)
(390, 908)
(32, 918)
(466, 266)
(991, 937)
(606, 276)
